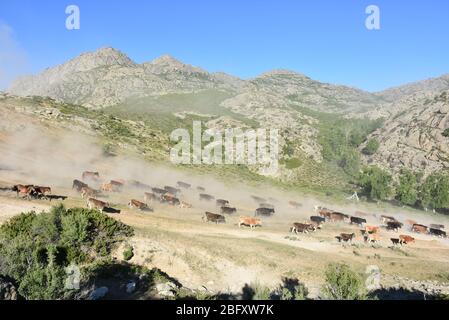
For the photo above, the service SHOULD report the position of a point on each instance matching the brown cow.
(302, 227)
(118, 184)
(249, 221)
(170, 199)
(410, 222)
(43, 190)
(315, 224)
(184, 204)
(346, 237)
(138, 205)
(324, 212)
(404, 239)
(371, 229)
(213, 217)
(386, 219)
(371, 237)
(87, 192)
(96, 204)
(338, 216)
(419, 228)
(90, 175)
(26, 191)
(150, 197)
(107, 187)
(78, 185)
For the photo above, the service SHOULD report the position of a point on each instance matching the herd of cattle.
(370, 233)
(171, 196)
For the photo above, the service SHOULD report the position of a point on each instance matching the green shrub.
(434, 192)
(375, 182)
(34, 249)
(342, 283)
(260, 292)
(446, 132)
(128, 253)
(296, 292)
(407, 189)
(371, 147)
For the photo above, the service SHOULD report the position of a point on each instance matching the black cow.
(394, 225)
(358, 221)
(258, 199)
(437, 232)
(264, 212)
(183, 185)
(159, 191)
(266, 205)
(172, 190)
(228, 210)
(222, 202)
(317, 219)
(206, 197)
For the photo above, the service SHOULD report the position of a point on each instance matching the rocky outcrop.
(413, 138)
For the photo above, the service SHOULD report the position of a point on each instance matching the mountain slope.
(413, 138)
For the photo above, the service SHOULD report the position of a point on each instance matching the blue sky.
(324, 39)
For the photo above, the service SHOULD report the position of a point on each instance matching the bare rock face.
(414, 138)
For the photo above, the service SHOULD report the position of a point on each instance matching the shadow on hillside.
(401, 294)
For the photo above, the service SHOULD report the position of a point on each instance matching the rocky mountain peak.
(167, 60)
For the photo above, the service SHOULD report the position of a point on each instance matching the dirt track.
(224, 257)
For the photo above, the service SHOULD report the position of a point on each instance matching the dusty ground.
(224, 257)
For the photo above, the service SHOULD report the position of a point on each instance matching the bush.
(371, 147)
(292, 289)
(375, 182)
(446, 132)
(407, 189)
(34, 249)
(261, 292)
(342, 283)
(128, 253)
(350, 162)
(434, 192)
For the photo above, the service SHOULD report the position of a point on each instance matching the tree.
(434, 192)
(342, 283)
(371, 147)
(375, 182)
(407, 189)
(350, 162)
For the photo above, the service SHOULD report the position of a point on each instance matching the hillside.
(323, 127)
(414, 137)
